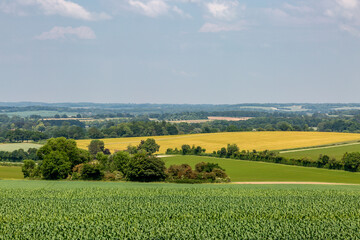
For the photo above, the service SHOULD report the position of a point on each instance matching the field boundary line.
(316, 148)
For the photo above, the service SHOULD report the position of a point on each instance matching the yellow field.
(245, 140)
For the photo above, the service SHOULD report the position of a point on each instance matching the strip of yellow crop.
(245, 140)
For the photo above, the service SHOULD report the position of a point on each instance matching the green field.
(243, 171)
(336, 151)
(240, 170)
(10, 172)
(9, 147)
(103, 210)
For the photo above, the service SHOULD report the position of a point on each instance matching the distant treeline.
(205, 115)
(349, 162)
(18, 155)
(17, 129)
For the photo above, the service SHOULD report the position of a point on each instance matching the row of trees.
(18, 155)
(17, 129)
(349, 162)
(61, 159)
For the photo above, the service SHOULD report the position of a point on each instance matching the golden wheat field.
(245, 140)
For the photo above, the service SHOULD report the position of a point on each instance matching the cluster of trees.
(60, 158)
(187, 150)
(17, 129)
(18, 155)
(209, 172)
(349, 162)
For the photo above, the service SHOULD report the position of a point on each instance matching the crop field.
(103, 210)
(248, 171)
(336, 151)
(13, 172)
(245, 140)
(9, 147)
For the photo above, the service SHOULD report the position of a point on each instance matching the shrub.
(183, 171)
(96, 146)
(351, 161)
(91, 172)
(145, 168)
(207, 167)
(56, 165)
(30, 169)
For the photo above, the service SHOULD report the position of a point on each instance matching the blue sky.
(180, 51)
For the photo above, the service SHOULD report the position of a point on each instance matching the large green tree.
(145, 168)
(351, 161)
(96, 146)
(149, 145)
(59, 156)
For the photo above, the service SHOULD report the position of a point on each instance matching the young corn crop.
(104, 210)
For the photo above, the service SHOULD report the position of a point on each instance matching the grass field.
(103, 210)
(245, 140)
(246, 171)
(9, 147)
(10, 172)
(336, 151)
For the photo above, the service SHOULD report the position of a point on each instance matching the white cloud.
(223, 27)
(180, 12)
(53, 7)
(348, 4)
(225, 10)
(353, 31)
(152, 8)
(67, 32)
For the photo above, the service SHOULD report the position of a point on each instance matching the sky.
(180, 51)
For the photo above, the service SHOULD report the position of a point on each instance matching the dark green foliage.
(207, 167)
(56, 165)
(66, 146)
(185, 149)
(59, 156)
(183, 171)
(96, 146)
(131, 149)
(145, 168)
(119, 161)
(351, 162)
(205, 172)
(149, 145)
(95, 133)
(222, 152)
(231, 149)
(91, 172)
(102, 158)
(30, 169)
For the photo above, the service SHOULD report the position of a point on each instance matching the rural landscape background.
(179, 119)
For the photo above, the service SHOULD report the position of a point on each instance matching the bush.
(30, 169)
(145, 168)
(207, 167)
(56, 165)
(351, 161)
(183, 171)
(91, 172)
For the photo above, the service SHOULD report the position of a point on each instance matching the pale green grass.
(244, 171)
(9, 147)
(336, 151)
(12, 172)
